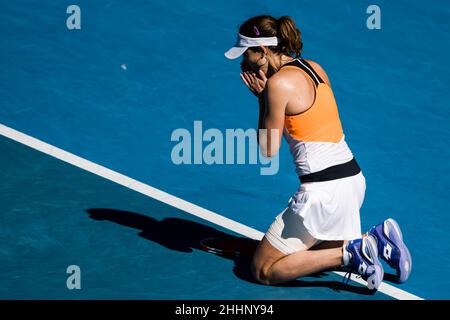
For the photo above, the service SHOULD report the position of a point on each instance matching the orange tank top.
(315, 136)
(319, 123)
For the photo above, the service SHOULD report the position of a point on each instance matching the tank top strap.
(306, 67)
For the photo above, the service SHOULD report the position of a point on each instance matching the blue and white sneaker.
(364, 261)
(392, 249)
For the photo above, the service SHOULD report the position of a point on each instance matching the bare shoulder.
(318, 68)
(288, 79)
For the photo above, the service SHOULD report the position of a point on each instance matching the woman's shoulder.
(288, 77)
(320, 71)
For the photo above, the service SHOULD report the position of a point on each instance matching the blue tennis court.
(86, 120)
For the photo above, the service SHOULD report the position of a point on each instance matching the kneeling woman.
(320, 229)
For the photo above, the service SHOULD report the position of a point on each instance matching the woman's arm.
(262, 110)
(272, 99)
(272, 106)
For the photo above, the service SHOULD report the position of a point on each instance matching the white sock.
(346, 256)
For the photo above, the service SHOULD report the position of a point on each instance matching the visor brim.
(235, 52)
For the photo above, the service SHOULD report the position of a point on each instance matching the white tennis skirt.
(319, 211)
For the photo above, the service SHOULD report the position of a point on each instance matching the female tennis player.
(320, 229)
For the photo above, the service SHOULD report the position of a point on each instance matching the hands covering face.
(255, 81)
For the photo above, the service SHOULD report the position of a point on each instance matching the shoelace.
(348, 276)
(349, 273)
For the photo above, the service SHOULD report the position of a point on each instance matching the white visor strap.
(244, 41)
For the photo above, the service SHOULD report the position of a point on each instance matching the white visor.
(243, 43)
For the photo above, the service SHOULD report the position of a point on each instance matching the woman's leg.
(303, 263)
(271, 266)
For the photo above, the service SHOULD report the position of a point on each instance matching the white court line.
(166, 198)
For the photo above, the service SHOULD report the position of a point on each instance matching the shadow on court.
(185, 236)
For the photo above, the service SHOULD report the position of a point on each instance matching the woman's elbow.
(268, 152)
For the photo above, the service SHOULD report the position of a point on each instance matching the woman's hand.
(256, 83)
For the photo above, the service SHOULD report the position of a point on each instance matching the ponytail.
(290, 37)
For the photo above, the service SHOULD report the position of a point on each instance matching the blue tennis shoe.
(392, 249)
(364, 261)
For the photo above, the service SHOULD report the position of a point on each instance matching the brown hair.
(290, 37)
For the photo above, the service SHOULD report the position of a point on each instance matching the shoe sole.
(374, 281)
(405, 263)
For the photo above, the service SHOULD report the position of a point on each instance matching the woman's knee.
(261, 270)
(263, 259)
(261, 273)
